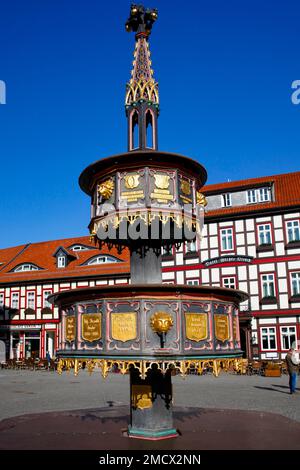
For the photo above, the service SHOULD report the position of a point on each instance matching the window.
(79, 248)
(103, 259)
(31, 300)
(190, 247)
(268, 285)
(268, 337)
(26, 267)
(61, 262)
(226, 200)
(295, 278)
(227, 239)
(1, 301)
(264, 234)
(229, 282)
(264, 194)
(293, 231)
(288, 337)
(251, 196)
(15, 300)
(149, 129)
(192, 282)
(46, 293)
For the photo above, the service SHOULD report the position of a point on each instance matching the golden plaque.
(196, 326)
(162, 181)
(123, 326)
(141, 396)
(185, 187)
(132, 181)
(70, 328)
(91, 327)
(221, 327)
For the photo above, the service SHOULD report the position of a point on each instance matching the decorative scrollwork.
(183, 366)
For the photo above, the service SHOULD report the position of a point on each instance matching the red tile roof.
(41, 254)
(286, 193)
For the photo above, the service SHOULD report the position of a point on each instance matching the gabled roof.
(41, 254)
(65, 251)
(286, 188)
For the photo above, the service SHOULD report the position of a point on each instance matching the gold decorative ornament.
(141, 396)
(132, 181)
(161, 322)
(123, 326)
(196, 326)
(221, 327)
(162, 181)
(106, 188)
(183, 366)
(70, 328)
(201, 199)
(185, 187)
(91, 327)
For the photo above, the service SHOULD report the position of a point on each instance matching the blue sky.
(224, 68)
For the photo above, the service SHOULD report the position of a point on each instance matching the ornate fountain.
(144, 201)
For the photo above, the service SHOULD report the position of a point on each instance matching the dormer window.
(63, 257)
(80, 248)
(258, 195)
(226, 200)
(26, 267)
(102, 260)
(264, 194)
(61, 261)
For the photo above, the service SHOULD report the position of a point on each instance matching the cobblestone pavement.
(25, 392)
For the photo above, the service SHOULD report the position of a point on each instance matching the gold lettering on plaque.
(196, 326)
(132, 181)
(221, 327)
(132, 196)
(123, 326)
(141, 396)
(91, 327)
(70, 328)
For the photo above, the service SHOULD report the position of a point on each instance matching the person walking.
(292, 362)
(48, 357)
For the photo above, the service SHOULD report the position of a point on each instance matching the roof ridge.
(255, 178)
(16, 256)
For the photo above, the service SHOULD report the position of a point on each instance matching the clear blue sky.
(225, 70)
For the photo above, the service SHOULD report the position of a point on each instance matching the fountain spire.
(142, 98)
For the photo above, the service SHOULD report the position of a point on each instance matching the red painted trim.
(29, 322)
(273, 259)
(276, 312)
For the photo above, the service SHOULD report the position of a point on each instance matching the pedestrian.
(48, 357)
(292, 361)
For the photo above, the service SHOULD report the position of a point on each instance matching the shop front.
(24, 341)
